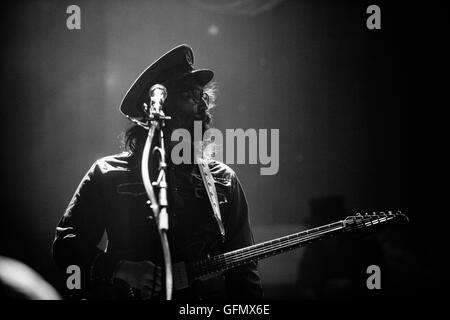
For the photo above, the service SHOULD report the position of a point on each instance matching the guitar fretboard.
(263, 250)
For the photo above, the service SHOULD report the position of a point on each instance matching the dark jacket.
(111, 198)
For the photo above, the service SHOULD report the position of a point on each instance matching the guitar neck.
(232, 259)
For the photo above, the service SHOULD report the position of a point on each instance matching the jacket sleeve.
(81, 229)
(242, 282)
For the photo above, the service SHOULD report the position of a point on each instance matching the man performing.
(111, 199)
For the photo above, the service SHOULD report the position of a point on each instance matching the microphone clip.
(154, 114)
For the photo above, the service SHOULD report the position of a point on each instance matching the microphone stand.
(158, 206)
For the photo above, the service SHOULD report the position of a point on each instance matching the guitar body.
(213, 288)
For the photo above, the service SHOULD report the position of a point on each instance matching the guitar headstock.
(366, 220)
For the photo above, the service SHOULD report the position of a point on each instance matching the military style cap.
(176, 64)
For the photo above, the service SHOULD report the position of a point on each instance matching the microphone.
(158, 94)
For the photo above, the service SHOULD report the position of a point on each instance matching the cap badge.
(189, 57)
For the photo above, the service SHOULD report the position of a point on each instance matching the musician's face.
(190, 102)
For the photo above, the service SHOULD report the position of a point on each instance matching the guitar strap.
(210, 188)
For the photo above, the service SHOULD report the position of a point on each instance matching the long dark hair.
(134, 137)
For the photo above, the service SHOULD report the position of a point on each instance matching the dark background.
(350, 103)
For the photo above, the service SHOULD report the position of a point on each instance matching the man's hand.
(144, 276)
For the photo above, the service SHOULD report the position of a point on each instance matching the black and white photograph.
(241, 152)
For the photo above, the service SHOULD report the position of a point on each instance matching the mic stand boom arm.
(159, 208)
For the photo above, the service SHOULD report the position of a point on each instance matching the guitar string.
(278, 240)
(223, 262)
(263, 245)
(230, 262)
